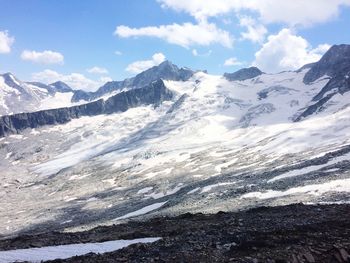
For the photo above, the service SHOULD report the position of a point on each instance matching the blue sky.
(86, 43)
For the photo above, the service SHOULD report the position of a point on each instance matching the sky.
(87, 43)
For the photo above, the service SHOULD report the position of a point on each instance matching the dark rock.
(335, 62)
(336, 65)
(243, 74)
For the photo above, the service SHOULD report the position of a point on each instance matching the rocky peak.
(165, 70)
(336, 61)
(60, 86)
(243, 74)
(10, 79)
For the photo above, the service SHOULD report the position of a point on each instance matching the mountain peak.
(243, 74)
(60, 86)
(166, 63)
(10, 79)
(334, 62)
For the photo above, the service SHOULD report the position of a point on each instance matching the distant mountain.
(243, 74)
(17, 96)
(166, 70)
(60, 86)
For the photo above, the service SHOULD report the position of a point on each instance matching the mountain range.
(173, 140)
(17, 96)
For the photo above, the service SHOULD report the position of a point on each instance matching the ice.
(67, 251)
(310, 169)
(165, 193)
(59, 100)
(144, 190)
(8, 155)
(222, 166)
(341, 185)
(208, 188)
(194, 190)
(142, 211)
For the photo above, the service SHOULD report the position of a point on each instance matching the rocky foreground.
(294, 233)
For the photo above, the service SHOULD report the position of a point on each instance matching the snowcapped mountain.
(17, 96)
(197, 142)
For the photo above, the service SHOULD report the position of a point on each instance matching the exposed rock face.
(154, 93)
(165, 70)
(243, 74)
(335, 64)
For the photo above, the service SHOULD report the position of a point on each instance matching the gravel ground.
(293, 233)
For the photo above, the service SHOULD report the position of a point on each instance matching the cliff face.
(154, 93)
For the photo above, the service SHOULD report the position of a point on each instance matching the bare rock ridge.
(154, 93)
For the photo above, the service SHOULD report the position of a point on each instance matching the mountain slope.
(214, 145)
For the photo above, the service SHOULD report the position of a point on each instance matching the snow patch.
(310, 169)
(209, 187)
(67, 251)
(142, 211)
(144, 190)
(342, 185)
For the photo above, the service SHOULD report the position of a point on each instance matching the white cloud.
(44, 57)
(6, 42)
(286, 51)
(232, 62)
(142, 65)
(321, 49)
(270, 11)
(74, 80)
(105, 79)
(118, 53)
(197, 54)
(184, 35)
(97, 70)
(255, 32)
